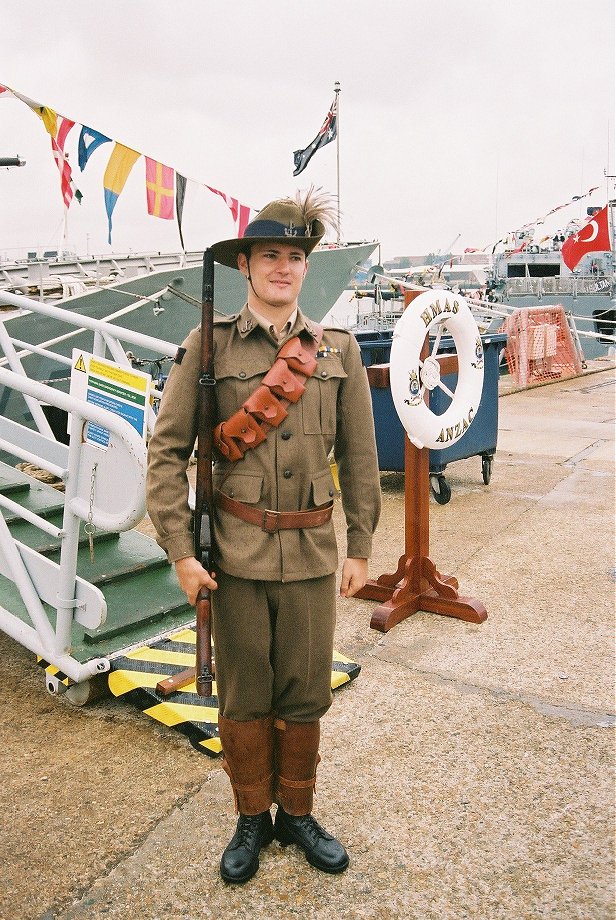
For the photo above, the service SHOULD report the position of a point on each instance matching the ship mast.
(611, 205)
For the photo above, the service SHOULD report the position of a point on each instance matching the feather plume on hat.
(315, 204)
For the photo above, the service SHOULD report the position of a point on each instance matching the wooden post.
(416, 584)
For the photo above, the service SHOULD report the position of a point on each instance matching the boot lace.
(311, 828)
(248, 830)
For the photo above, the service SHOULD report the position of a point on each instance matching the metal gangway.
(57, 613)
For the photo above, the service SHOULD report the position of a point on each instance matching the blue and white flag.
(89, 140)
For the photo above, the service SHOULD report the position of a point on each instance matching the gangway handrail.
(86, 411)
(106, 336)
(87, 322)
(24, 565)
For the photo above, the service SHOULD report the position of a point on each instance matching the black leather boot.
(322, 850)
(240, 860)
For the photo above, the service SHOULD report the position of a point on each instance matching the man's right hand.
(192, 577)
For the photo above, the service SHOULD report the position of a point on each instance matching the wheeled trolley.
(479, 440)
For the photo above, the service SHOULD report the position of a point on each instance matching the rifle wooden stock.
(204, 674)
(204, 491)
(176, 682)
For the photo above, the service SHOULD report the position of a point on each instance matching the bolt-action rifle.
(202, 674)
(204, 492)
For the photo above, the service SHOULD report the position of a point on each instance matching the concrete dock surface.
(469, 769)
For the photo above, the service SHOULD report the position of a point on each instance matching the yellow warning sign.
(119, 375)
(122, 391)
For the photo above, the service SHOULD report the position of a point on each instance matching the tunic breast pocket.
(234, 386)
(321, 396)
(245, 487)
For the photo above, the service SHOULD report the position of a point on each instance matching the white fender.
(410, 377)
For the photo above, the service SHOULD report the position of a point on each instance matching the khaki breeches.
(273, 647)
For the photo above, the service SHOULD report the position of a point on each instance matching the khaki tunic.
(288, 472)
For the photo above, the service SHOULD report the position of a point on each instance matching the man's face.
(277, 271)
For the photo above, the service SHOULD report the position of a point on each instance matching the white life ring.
(410, 377)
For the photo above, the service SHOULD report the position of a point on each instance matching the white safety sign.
(121, 390)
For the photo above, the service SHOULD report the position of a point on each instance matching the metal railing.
(569, 285)
(105, 488)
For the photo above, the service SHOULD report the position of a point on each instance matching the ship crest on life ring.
(411, 379)
(478, 352)
(414, 389)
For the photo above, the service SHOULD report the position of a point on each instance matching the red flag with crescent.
(594, 236)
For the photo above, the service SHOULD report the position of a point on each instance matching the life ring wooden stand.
(417, 584)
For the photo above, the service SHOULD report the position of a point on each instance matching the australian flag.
(327, 133)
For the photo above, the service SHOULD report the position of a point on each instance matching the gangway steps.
(140, 590)
(43, 542)
(140, 601)
(35, 496)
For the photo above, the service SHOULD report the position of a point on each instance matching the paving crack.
(587, 452)
(77, 897)
(575, 715)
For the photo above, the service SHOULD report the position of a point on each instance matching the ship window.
(533, 270)
(544, 271)
(605, 324)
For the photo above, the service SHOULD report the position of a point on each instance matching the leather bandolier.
(265, 409)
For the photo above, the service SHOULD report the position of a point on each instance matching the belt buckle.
(270, 521)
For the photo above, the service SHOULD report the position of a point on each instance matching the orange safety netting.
(540, 345)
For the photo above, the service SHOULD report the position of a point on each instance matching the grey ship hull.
(593, 313)
(166, 315)
(537, 277)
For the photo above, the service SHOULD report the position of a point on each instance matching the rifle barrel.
(204, 674)
(204, 491)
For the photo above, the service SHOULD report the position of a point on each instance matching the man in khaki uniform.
(275, 547)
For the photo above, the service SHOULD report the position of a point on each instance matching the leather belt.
(271, 521)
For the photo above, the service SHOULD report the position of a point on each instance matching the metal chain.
(90, 527)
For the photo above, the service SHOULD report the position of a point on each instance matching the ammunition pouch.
(266, 407)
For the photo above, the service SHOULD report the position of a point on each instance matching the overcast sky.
(460, 120)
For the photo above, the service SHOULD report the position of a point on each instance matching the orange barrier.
(540, 346)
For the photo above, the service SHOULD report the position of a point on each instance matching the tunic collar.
(270, 328)
(247, 322)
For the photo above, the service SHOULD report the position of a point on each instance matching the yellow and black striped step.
(53, 671)
(134, 677)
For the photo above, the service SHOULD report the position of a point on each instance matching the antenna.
(337, 92)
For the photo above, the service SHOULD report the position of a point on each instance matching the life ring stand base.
(407, 603)
(417, 585)
(402, 598)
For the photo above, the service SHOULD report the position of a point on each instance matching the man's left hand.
(354, 576)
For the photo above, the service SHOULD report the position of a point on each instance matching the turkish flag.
(594, 236)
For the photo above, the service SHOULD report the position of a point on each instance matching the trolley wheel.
(486, 469)
(440, 488)
(88, 690)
